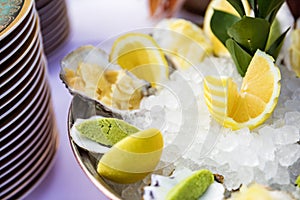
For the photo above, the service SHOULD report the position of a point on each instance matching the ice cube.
(244, 156)
(246, 175)
(288, 154)
(259, 176)
(292, 105)
(279, 112)
(228, 142)
(232, 181)
(268, 149)
(270, 169)
(282, 176)
(243, 136)
(295, 170)
(292, 118)
(286, 135)
(296, 94)
(293, 84)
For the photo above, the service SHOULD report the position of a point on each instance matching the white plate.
(48, 6)
(23, 118)
(10, 146)
(24, 65)
(51, 47)
(23, 30)
(34, 148)
(51, 14)
(31, 183)
(26, 8)
(31, 168)
(30, 102)
(16, 61)
(28, 118)
(52, 30)
(17, 96)
(41, 3)
(27, 149)
(22, 43)
(19, 83)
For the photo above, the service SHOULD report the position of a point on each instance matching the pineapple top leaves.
(243, 35)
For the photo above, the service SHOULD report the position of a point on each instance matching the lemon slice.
(255, 101)
(185, 42)
(218, 47)
(141, 55)
(259, 192)
(294, 52)
(132, 158)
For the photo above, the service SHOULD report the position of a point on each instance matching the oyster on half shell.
(86, 143)
(87, 72)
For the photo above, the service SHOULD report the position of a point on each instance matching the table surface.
(92, 22)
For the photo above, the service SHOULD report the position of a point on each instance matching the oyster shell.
(87, 73)
(161, 185)
(86, 143)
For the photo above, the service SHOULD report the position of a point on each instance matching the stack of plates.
(54, 23)
(28, 133)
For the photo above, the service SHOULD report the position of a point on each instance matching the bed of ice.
(269, 154)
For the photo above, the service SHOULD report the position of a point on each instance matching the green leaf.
(240, 57)
(250, 38)
(238, 6)
(275, 32)
(220, 22)
(272, 15)
(265, 7)
(277, 44)
(253, 5)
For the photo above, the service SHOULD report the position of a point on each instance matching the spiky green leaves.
(219, 28)
(243, 35)
(240, 57)
(267, 9)
(252, 38)
(238, 6)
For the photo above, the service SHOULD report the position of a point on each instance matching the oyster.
(85, 142)
(86, 72)
(162, 185)
(97, 134)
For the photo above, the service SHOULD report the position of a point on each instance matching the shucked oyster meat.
(87, 72)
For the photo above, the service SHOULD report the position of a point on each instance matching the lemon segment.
(218, 48)
(294, 52)
(255, 191)
(132, 158)
(141, 55)
(253, 103)
(185, 43)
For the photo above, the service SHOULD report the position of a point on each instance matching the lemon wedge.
(255, 101)
(141, 55)
(218, 47)
(185, 43)
(132, 158)
(294, 52)
(259, 192)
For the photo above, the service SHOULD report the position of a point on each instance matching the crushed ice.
(269, 154)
